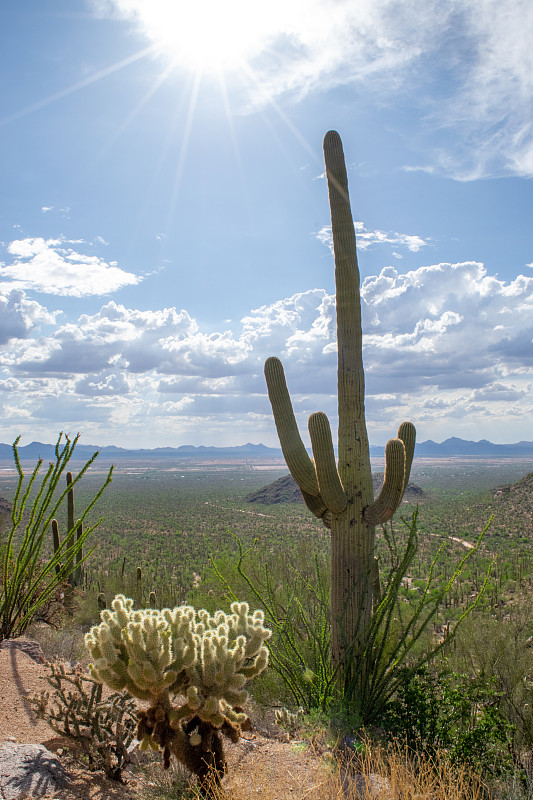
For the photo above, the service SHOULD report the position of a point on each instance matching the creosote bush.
(191, 667)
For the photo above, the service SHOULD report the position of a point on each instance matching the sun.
(210, 36)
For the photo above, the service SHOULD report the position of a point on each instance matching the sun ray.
(96, 76)
(184, 145)
(231, 128)
(281, 114)
(158, 82)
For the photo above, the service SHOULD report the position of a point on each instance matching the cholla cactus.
(204, 659)
(288, 721)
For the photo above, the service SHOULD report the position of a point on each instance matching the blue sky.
(164, 216)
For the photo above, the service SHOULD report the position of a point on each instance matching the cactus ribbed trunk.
(342, 495)
(73, 561)
(352, 539)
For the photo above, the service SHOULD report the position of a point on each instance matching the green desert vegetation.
(179, 537)
(402, 641)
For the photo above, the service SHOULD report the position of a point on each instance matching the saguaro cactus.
(74, 534)
(342, 495)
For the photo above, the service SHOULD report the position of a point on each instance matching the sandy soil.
(256, 763)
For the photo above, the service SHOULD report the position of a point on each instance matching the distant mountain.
(36, 450)
(460, 447)
(285, 490)
(450, 447)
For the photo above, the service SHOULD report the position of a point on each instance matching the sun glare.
(210, 35)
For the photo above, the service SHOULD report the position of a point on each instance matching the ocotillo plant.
(29, 581)
(342, 495)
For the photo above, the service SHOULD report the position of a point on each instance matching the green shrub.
(500, 651)
(295, 596)
(446, 711)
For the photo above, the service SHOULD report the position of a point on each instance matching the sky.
(164, 220)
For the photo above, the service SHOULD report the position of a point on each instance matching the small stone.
(29, 770)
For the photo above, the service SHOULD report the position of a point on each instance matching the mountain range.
(450, 447)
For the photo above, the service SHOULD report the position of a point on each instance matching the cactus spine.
(342, 495)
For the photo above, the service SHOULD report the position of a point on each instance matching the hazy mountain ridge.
(450, 447)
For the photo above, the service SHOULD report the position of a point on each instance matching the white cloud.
(107, 383)
(446, 345)
(465, 65)
(366, 238)
(19, 316)
(51, 267)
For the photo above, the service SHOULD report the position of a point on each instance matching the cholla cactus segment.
(230, 651)
(288, 720)
(145, 651)
(208, 658)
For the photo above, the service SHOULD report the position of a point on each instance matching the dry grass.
(380, 774)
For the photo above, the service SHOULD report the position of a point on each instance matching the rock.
(138, 757)
(28, 646)
(370, 786)
(29, 770)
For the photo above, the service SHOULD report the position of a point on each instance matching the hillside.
(5, 512)
(285, 490)
(512, 506)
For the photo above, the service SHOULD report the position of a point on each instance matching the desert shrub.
(397, 643)
(293, 591)
(63, 644)
(173, 783)
(501, 651)
(295, 596)
(99, 728)
(454, 714)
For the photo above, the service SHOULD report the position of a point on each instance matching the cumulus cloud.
(52, 267)
(165, 341)
(105, 384)
(448, 346)
(19, 316)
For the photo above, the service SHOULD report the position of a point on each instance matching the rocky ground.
(260, 765)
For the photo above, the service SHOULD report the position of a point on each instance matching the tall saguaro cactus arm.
(300, 465)
(342, 494)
